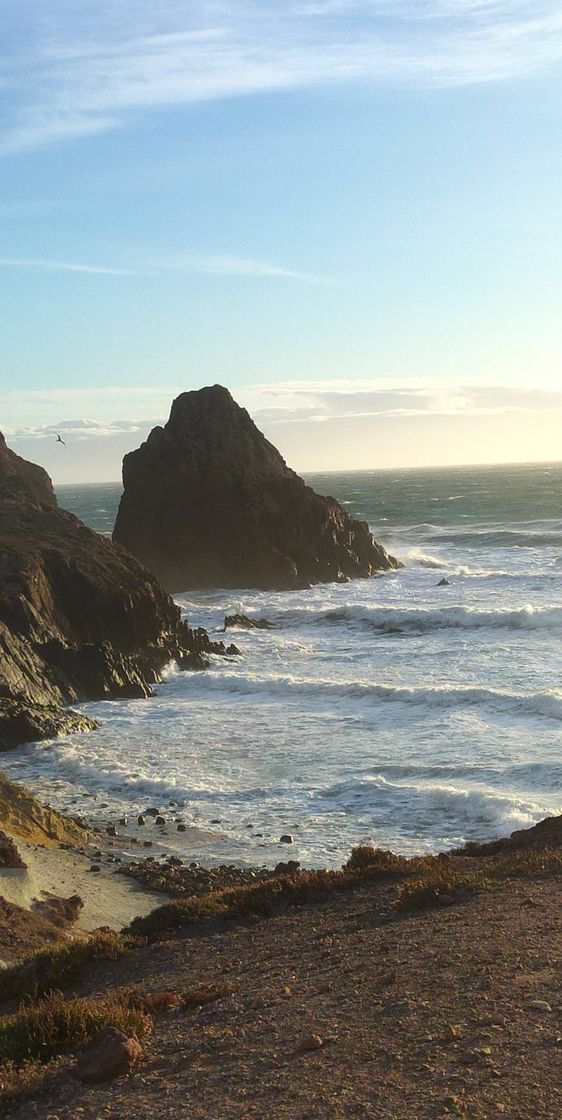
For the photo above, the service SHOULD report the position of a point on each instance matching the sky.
(347, 211)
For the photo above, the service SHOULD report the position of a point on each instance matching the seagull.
(59, 439)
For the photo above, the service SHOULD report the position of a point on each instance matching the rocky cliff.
(80, 619)
(209, 502)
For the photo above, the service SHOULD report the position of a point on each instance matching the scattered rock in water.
(111, 1054)
(444, 583)
(95, 867)
(111, 830)
(181, 828)
(192, 662)
(286, 838)
(233, 651)
(160, 820)
(152, 812)
(141, 820)
(244, 623)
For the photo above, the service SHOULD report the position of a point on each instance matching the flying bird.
(59, 439)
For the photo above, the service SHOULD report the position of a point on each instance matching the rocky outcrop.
(546, 834)
(209, 502)
(23, 481)
(80, 619)
(24, 818)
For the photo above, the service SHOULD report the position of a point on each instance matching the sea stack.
(209, 502)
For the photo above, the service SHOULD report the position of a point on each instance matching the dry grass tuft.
(206, 993)
(439, 886)
(56, 1026)
(58, 966)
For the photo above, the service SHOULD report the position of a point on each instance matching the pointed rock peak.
(209, 502)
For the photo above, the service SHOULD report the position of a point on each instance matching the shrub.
(376, 859)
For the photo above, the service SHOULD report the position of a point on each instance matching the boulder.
(80, 619)
(209, 502)
(111, 1054)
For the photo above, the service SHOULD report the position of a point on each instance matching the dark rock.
(21, 481)
(9, 855)
(192, 662)
(244, 623)
(233, 651)
(110, 1055)
(209, 502)
(140, 819)
(160, 820)
(111, 830)
(62, 912)
(152, 812)
(80, 619)
(444, 583)
(285, 839)
(182, 828)
(291, 867)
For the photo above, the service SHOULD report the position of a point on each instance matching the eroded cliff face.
(209, 502)
(80, 619)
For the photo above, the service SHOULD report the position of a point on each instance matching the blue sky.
(347, 211)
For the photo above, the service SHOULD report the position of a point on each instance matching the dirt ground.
(416, 1016)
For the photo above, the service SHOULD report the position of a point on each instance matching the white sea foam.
(385, 710)
(261, 688)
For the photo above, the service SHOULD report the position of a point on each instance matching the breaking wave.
(545, 705)
(419, 620)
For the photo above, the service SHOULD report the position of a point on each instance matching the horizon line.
(369, 470)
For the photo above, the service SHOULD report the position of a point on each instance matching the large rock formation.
(209, 502)
(80, 619)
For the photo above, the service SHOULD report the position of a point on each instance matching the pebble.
(285, 838)
(539, 1005)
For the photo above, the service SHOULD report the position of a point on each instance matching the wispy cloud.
(91, 67)
(65, 266)
(241, 266)
(114, 411)
(309, 401)
(206, 266)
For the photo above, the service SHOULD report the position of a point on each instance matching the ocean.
(392, 710)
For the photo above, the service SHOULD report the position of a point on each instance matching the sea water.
(390, 710)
